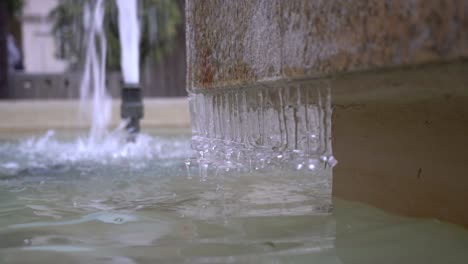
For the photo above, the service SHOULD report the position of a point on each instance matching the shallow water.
(60, 202)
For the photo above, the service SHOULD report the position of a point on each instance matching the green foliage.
(159, 20)
(14, 6)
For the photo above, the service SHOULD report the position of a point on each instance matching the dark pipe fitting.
(132, 107)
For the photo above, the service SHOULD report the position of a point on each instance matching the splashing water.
(129, 40)
(93, 85)
(280, 130)
(284, 125)
(101, 145)
(52, 153)
(263, 132)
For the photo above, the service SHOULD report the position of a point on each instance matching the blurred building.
(46, 76)
(37, 41)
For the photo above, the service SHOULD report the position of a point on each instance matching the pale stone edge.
(32, 115)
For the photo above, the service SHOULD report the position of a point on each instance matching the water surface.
(63, 202)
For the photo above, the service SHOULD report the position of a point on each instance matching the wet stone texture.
(236, 43)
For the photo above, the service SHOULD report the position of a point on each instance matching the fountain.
(260, 144)
(132, 105)
(273, 129)
(278, 129)
(94, 76)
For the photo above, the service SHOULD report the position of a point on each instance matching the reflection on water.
(114, 210)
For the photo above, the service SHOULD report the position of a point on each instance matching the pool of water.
(64, 200)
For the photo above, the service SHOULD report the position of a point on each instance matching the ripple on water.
(110, 210)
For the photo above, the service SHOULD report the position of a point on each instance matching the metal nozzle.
(132, 108)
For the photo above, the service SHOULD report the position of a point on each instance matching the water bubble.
(299, 166)
(187, 167)
(332, 161)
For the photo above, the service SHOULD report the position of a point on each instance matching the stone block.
(237, 43)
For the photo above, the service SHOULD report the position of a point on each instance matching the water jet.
(129, 33)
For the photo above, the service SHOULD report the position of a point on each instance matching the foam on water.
(49, 152)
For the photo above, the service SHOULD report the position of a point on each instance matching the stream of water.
(129, 37)
(94, 99)
(95, 102)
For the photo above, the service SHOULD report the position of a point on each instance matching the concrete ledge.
(399, 135)
(400, 139)
(246, 41)
(398, 78)
(40, 115)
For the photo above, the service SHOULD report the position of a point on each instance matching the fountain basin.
(41, 115)
(122, 211)
(397, 80)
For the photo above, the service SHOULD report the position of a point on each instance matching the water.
(256, 190)
(95, 102)
(267, 129)
(129, 36)
(288, 122)
(60, 205)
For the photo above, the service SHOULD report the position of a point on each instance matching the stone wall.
(397, 72)
(232, 43)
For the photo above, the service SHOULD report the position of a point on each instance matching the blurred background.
(41, 48)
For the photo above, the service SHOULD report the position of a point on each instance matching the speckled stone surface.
(232, 43)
